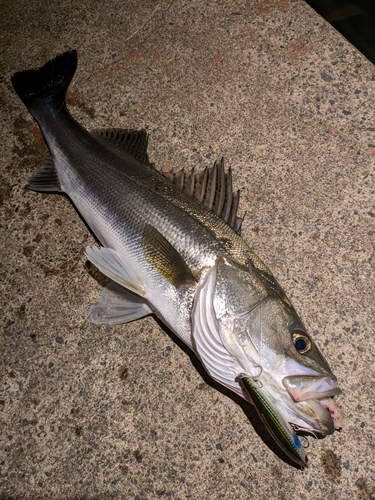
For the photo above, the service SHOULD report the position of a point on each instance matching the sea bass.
(171, 245)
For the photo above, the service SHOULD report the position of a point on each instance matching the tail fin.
(49, 83)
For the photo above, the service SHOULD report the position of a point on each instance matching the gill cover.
(255, 313)
(241, 325)
(223, 358)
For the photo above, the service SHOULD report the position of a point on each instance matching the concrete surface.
(98, 413)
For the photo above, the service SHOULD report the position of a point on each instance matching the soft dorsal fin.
(134, 142)
(213, 188)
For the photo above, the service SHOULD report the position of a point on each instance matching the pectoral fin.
(117, 305)
(110, 263)
(164, 258)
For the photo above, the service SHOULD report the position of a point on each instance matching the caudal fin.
(48, 83)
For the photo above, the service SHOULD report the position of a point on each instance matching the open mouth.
(315, 416)
(318, 414)
(314, 404)
(304, 387)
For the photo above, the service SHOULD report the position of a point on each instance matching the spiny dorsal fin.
(133, 142)
(213, 188)
(164, 258)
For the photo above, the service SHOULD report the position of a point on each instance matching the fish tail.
(48, 83)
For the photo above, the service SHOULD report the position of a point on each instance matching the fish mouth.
(314, 409)
(306, 387)
(285, 418)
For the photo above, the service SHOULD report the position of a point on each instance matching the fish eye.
(301, 342)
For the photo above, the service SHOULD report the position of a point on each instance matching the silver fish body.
(171, 247)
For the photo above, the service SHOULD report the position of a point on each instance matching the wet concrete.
(124, 412)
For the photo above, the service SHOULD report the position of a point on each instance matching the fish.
(171, 245)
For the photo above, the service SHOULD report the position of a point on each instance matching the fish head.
(259, 327)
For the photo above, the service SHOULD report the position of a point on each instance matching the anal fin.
(46, 179)
(117, 305)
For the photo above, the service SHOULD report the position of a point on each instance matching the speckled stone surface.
(93, 412)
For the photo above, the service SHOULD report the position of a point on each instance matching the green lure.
(280, 429)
